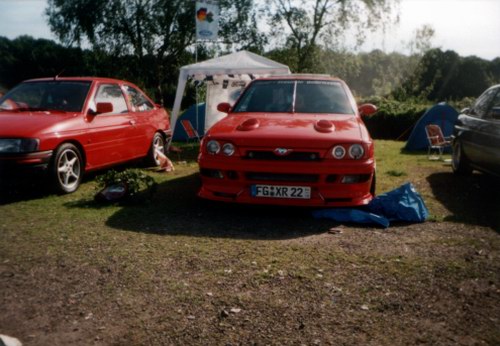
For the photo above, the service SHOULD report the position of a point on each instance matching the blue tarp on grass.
(401, 204)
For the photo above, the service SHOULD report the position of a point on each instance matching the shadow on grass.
(17, 186)
(29, 186)
(16, 189)
(176, 210)
(471, 199)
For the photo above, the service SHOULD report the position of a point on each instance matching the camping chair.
(437, 141)
(190, 130)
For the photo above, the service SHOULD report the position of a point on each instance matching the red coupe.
(290, 140)
(68, 126)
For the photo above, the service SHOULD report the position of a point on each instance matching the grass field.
(178, 270)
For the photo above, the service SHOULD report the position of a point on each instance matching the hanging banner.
(207, 20)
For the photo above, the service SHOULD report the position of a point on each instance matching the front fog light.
(228, 149)
(338, 152)
(213, 147)
(356, 151)
(355, 178)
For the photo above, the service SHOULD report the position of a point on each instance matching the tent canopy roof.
(237, 63)
(240, 63)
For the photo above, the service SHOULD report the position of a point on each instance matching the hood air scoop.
(324, 126)
(249, 124)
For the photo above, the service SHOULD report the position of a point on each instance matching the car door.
(491, 159)
(475, 134)
(142, 110)
(109, 132)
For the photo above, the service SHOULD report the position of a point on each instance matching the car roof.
(80, 79)
(301, 76)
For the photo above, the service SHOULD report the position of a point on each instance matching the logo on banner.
(207, 20)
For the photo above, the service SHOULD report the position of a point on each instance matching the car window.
(67, 96)
(301, 96)
(482, 104)
(267, 96)
(111, 93)
(138, 100)
(494, 111)
(321, 97)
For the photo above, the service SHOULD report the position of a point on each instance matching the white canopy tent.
(226, 75)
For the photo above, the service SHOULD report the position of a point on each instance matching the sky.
(469, 27)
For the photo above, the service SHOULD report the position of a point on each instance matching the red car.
(69, 126)
(290, 140)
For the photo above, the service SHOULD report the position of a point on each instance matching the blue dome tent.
(197, 121)
(442, 115)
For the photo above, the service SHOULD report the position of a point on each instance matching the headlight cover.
(338, 152)
(356, 151)
(18, 145)
(213, 147)
(228, 149)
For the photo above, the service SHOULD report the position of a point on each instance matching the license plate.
(278, 191)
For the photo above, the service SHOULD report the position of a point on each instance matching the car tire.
(459, 162)
(158, 143)
(66, 169)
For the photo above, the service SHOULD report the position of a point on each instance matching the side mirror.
(367, 110)
(224, 107)
(104, 107)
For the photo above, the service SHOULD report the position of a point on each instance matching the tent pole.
(196, 90)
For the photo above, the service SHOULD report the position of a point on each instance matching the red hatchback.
(73, 125)
(290, 140)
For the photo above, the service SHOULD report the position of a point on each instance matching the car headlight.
(228, 149)
(338, 152)
(18, 145)
(213, 147)
(356, 151)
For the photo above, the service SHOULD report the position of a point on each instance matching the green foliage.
(135, 180)
(238, 25)
(394, 119)
(306, 27)
(146, 42)
(447, 76)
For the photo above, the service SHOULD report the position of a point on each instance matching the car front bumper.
(19, 162)
(231, 180)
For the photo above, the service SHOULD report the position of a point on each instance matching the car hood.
(31, 124)
(311, 130)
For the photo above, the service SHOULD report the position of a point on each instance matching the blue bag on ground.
(351, 215)
(401, 204)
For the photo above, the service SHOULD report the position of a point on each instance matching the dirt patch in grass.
(436, 283)
(177, 270)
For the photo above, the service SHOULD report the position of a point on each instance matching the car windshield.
(66, 96)
(296, 96)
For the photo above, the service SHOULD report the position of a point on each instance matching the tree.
(155, 35)
(308, 25)
(26, 58)
(422, 40)
(239, 25)
(472, 78)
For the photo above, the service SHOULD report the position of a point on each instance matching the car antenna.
(60, 73)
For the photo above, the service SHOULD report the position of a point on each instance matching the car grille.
(260, 176)
(293, 156)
